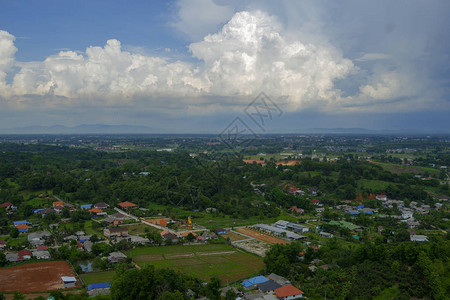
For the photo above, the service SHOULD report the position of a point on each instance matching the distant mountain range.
(82, 129)
(133, 129)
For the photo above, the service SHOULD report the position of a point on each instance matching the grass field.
(202, 261)
(97, 277)
(399, 169)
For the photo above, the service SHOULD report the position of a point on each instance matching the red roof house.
(6, 204)
(42, 248)
(296, 209)
(289, 292)
(127, 204)
(96, 210)
(24, 254)
(315, 201)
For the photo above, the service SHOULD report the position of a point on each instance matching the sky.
(194, 66)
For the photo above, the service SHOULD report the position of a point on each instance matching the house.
(315, 201)
(58, 203)
(167, 235)
(84, 238)
(12, 257)
(418, 238)
(138, 239)
(296, 209)
(268, 286)
(24, 254)
(115, 231)
(313, 191)
(200, 238)
(70, 238)
(38, 238)
(101, 205)
(220, 230)
(288, 292)
(7, 205)
(254, 281)
(68, 281)
(58, 209)
(278, 279)
(97, 211)
(119, 216)
(101, 288)
(127, 205)
(86, 206)
(325, 234)
(88, 246)
(23, 228)
(381, 197)
(2, 244)
(406, 214)
(281, 224)
(297, 227)
(41, 254)
(22, 222)
(115, 257)
(209, 235)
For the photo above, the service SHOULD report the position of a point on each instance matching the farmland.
(202, 261)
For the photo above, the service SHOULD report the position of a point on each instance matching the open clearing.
(233, 236)
(202, 261)
(35, 277)
(261, 236)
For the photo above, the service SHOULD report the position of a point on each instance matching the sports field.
(35, 277)
(202, 261)
(97, 277)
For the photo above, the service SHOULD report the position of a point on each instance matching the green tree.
(14, 232)
(2, 259)
(212, 288)
(18, 296)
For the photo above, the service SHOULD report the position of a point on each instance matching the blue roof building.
(254, 280)
(360, 207)
(22, 222)
(86, 206)
(100, 285)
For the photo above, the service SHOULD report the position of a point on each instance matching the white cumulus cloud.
(251, 53)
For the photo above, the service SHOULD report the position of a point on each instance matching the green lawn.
(98, 277)
(202, 261)
(89, 230)
(141, 229)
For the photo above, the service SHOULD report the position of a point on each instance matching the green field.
(202, 261)
(98, 277)
(399, 169)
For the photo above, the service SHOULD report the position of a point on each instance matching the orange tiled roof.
(287, 290)
(58, 203)
(96, 210)
(127, 204)
(22, 226)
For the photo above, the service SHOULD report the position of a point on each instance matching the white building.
(418, 238)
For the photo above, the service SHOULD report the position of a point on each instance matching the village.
(113, 231)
